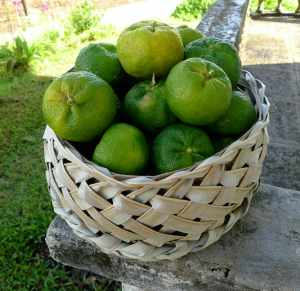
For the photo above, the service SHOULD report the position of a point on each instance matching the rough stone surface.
(225, 20)
(270, 51)
(126, 287)
(261, 252)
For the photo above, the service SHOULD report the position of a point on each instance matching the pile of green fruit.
(162, 99)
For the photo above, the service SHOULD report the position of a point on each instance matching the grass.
(189, 10)
(25, 204)
(287, 5)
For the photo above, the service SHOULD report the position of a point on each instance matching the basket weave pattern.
(161, 217)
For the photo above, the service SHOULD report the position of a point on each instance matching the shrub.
(190, 10)
(287, 5)
(83, 16)
(18, 54)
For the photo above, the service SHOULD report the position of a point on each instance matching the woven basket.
(159, 217)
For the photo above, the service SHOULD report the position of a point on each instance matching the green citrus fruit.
(79, 106)
(123, 149)
(198, 91)
(180, 146)
(102, 60)
(148, 47)
(146, 107)
(219, 52)
(238, 118)
(222, 142)
(189, 34)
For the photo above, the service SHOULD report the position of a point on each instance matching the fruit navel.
(189, 150)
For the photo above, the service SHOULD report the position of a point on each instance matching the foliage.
(189, 10)
(25, 205)
(83, 16)
(287, 5)
(20, 53)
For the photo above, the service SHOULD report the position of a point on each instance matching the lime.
(222, 142)
(189, 34)
(238, 119)
(102, 60)
(219, 52)
(123, 149)
(180, 146)
(146, 107)
(198, 91)
(148, 47)
(79, 106)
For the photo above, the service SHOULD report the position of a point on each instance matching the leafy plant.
(287, 5)
(19, 53)
(189, 10)
(25, 205)
(83, 16)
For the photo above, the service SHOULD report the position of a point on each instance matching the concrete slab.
(264, 39)
(261, 252)
(271, 52)
(225, 20)
(297, 60)
(275, 58)
(272, 25)
(284, 122)
(298, 79)
(281, 167)
(280, 84)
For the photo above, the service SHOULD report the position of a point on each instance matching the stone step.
(261, 252)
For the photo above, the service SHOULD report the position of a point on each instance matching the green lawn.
(25, 205)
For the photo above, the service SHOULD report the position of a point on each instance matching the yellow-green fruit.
(148, 47)
(198, 91)
(189, 34)
(146, 107)
(238, 118)
(219, 52)
(102, 60)
(180, 146)
(79, 106)
(123, 149)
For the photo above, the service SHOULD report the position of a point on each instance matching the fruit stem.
(153, 25)
(209, 75)
(153, 80)
(70, 101)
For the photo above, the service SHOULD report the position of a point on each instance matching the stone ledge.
(225, 20)
(261, 252)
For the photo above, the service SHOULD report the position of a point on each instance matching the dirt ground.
(56, 7)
